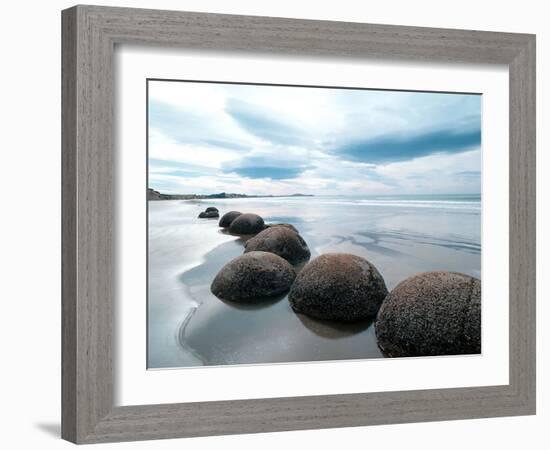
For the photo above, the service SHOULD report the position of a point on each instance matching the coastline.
(152, 194)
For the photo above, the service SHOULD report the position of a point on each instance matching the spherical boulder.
(228, 218)
(253, 276)
(282, 241)
(211, 208)
(431, 314)
(209, 215)
(247, 224)
(338, 286)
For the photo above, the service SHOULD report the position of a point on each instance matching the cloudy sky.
(206, 138)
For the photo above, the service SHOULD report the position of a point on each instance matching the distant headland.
(156, 195)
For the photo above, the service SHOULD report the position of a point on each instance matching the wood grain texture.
(68, 226)
(89, 36)
(523, 224)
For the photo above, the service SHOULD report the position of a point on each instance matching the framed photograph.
(278, 224)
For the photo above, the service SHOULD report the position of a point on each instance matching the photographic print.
(298, 223)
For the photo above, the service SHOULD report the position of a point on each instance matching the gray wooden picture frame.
(90, 34)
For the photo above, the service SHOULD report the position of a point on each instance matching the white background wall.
(30, 223)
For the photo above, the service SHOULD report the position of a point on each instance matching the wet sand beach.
(189, 326)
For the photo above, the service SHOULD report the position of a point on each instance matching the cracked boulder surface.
(253, 277)
(431, 314)
(338, 286)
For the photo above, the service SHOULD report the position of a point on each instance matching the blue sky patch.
(214, 137)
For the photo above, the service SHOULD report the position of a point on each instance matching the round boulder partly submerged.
(247, 224)
(282, 241)
(211, 208)
(338, 286)
(253, 276)
(228, 218)
(431, 314)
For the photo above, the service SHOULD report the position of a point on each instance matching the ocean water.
(189, 326)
